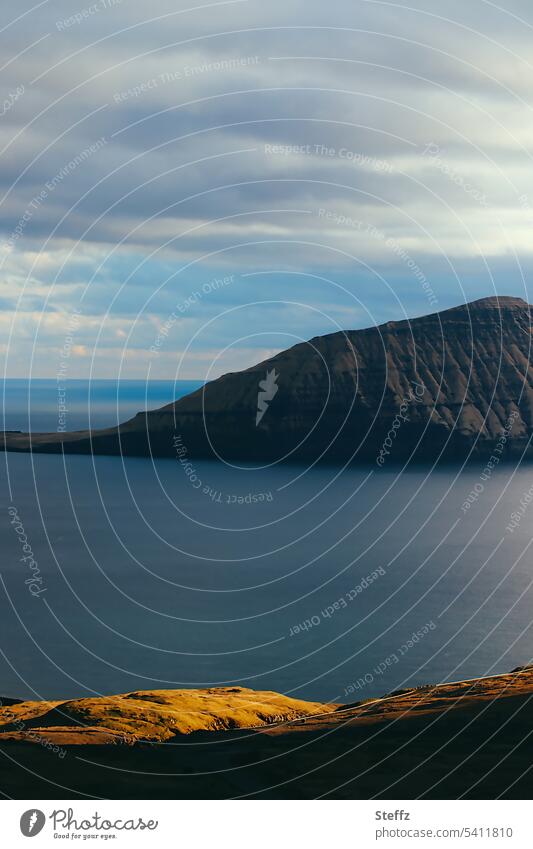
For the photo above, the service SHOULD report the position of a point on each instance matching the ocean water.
(35, 404)
(324, 584)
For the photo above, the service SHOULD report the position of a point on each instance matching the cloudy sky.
(188, 187)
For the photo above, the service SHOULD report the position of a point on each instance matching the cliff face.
(446, 384)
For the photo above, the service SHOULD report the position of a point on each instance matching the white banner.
(228, 825)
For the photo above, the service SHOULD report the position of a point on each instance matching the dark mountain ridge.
(448, 385)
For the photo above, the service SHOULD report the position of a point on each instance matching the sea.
(323, 583)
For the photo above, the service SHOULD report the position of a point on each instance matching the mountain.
(447, 385)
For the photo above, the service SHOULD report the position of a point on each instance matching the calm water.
(150, 582)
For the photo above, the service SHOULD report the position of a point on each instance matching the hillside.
(468, 739)
(148, 715)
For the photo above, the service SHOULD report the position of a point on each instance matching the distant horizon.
(106, 379)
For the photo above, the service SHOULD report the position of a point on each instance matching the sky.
(189, 187)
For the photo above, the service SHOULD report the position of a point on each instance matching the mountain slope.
(450, 383)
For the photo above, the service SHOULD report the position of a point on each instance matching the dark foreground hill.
(470, 739)
(445, 385)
